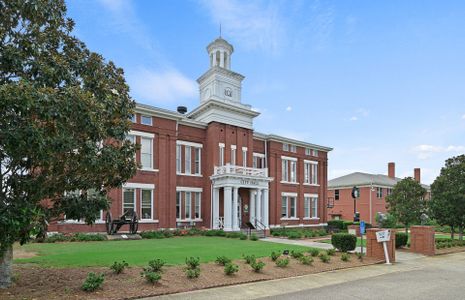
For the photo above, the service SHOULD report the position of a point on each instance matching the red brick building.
(373, 191)
(209, 168)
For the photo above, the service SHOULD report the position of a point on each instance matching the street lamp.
(355, 195)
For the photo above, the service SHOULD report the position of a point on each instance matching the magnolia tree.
(63, 119)
(407, 202)
(447, 203)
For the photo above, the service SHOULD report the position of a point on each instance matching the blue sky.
(378, 81)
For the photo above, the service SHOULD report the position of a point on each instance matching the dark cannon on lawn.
(129, 217)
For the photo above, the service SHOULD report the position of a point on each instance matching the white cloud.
(354, 118)
(363, 112)
(289, 108)
(162, 87)
(254, 24)
(426, 151)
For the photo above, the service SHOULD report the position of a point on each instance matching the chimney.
(416, 174)
(392, 170)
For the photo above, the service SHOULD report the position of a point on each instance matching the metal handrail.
(259, 224)
(240, 170)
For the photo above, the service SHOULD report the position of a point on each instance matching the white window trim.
(188, 160)
(151, 154)
(288, 182)
(244, 149)
(287, 194)
(288, 158)
(232, 147)
(310, 162)
(186, 143)
(200, 161)
(189, 189)
(135, 185)
(134, 201)
(261, 155)
(151, 205)
(141, 133)
(146, 116)
(221, 144)
(200, 204)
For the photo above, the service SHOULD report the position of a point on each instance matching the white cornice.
(281, 139)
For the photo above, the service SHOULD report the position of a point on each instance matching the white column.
(227, 208)
(216, 207)
(214, 59)
(252, 206)
(222, 59)
(266, 208)
(259, 206)
(235, 223)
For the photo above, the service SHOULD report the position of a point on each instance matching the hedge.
(344, 241)
(401, 239)
(336, 224)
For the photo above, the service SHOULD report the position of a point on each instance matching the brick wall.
(376, 250)
(422, 240)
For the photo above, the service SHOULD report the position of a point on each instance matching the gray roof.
(363, 179)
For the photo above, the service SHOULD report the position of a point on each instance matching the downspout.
(266, 154)
(371, 209)
(211, 205)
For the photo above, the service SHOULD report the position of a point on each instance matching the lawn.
(138, 253)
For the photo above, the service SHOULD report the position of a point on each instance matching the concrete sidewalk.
(306, 243)
(296, 284)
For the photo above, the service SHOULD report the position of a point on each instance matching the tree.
(64, 115)
(406, 202)
(447, 203)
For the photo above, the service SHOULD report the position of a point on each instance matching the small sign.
(123, 236)
(362, 227)
(383, 236)
(352, 231)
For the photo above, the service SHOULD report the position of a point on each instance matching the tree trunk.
(6, 264)
(406, 230)
(452, 232)
(461, 233)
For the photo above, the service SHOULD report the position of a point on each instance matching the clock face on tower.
(228, 92)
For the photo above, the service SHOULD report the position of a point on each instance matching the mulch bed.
(33, 282)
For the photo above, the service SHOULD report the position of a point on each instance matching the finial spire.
(220, 29)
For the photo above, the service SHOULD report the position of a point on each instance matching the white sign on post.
(383, 237)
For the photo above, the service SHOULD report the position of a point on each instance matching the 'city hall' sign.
(249, 182)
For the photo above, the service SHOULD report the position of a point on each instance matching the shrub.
(249, 259)
(253, 237)
(222, 260)
(257, 266)
(331, 252)
(193, 263)
(322, 232)
(87, 237)
(344, 241)
(401, 239)
(168, 234)
(336, 225)
(294, 235)
(215, 232)
(324, 257)
(345, 257)
(57, 237)
(193, 273)
(152, 235)
(310, 233)
(118, 267)
(282, 262)
(296, 254)
(233, 235)
(306, 260)
(346, 224)
(275, 233)
(275, 255)
(389, 222)
(230, 269)
(150, 276)
(243, 237)
(155, 265)
(314, 252)
(93, 282)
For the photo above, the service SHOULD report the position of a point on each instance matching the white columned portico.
(227, 208)
(252, 206)
(216, 208)
(266, 205)
(258, 216)
(235, 217)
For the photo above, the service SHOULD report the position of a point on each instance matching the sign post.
(383, 237)
(362, 232)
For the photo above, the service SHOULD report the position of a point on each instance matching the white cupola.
(220, 52)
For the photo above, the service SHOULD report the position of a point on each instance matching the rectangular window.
(178, 159)
(379, 192)
(308, 151)
(133, 118)
(293, 148)
(197, 161)
(178, 205)
(187, 205)
(285, 170)
(197, 205)
(129, 201)
(146, 153)
(315, 152)
(336, 194)
(314, 207)
(307, 172)
(285, 147)
(233, 155)
(244, 158)
(293, 171)
(146, 120)
(187, 159)
(307, 207)
(146, 205)
(314, 174)
(221, 158)
(131, 138)
(284, 207)
(293, 201)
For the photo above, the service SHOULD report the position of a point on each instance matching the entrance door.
(239, 211)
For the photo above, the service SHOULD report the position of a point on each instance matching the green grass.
(138, 253)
